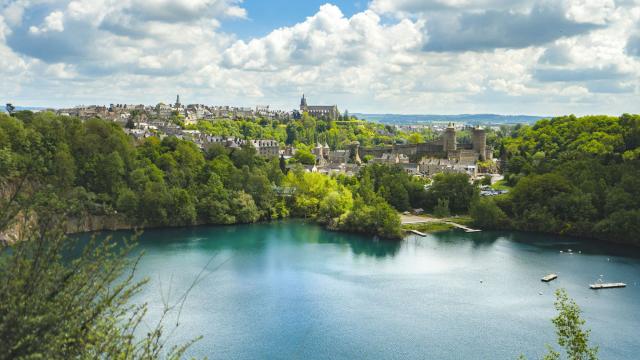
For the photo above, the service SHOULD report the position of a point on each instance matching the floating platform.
(607, 286)
(549, 277)
(417, 233)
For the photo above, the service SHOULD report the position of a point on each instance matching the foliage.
(571, 337)
(441, 210)
(304, 156)
(376, 216)
(399, 189)
(455, 188)
(307, 130)
(575, 176)
(171, 182)
(487, 215)
(63, 298)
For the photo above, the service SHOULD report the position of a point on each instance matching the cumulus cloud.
(53, 22)
(410, 56)
(328, 36)
(147, 37)
(501, 29)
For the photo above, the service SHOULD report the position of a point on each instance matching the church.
(319, 111)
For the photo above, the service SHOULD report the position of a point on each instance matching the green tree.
(487, 215)
(244, 208)
(569, 330)
(415, 138)
(441, 210)
(130, 123)
(304, 156)
(334, 205)
(62, 298)
(452, 186)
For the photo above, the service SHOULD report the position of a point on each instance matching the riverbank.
(430, 224)
(117, 222)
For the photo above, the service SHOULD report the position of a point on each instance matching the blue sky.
(377, 56)
(265, 15)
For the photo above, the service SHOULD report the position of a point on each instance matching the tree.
(441, 210)
(455, 188)
(283, 164)
(130, 123)
(571, 337)
(415, 138)
(376, 217)
(244, 208)
(62, 298)
(304, 156)
(10, 109)
(334, 205)
(486, 214)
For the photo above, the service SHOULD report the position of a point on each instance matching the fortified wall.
(446, 147)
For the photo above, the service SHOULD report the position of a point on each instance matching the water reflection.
(293, 290)
(476, 239)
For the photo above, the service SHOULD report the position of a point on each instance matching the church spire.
(303, 103)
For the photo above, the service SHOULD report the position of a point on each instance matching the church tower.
(303, 104)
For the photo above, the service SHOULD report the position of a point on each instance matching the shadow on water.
(557, 243)
(359, 244)
(252, 237)
(365, 245)
(477, 239)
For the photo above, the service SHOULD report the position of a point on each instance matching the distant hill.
(21, 108)
(470, 119)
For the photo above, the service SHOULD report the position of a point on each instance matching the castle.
(446, 147)
(327, 112)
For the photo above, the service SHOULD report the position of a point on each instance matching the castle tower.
(303, 104)
(354, 152)
(449, 141)
(479, 141)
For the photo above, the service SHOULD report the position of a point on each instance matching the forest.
(93, 168)
(571, 175)
(568, 175)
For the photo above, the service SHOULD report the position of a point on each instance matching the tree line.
(570, 175)
(95, 168)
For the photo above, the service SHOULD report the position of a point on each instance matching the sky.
(538, 57)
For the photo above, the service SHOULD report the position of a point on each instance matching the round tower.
(354, 153)
(449, 139)
(479, 141)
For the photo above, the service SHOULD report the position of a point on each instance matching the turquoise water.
(292, 290)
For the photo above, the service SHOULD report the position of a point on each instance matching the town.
(445, 154)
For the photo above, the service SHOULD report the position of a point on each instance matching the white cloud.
(61, 71)
(590, 11)
(53, 22)
(328, 37)
(146, 51)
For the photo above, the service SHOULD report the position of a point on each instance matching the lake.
(291, 290)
